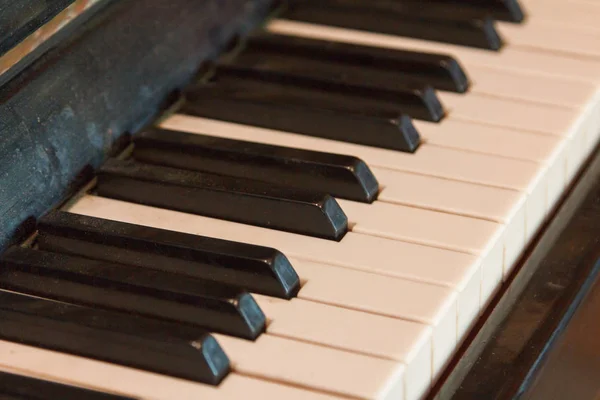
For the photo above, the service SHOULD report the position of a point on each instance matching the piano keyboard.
(207, 262)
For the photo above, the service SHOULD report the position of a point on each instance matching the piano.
(299, 199)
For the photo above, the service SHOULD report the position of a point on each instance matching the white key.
(493, 140)
(493, 204)
(483, 239)
(530, 117)
(552, 38)
(391, 297)
(524, 176)
(573, 14)
(98, 375)
(450, 196)
(530, 86)
(315, 367)
(392, 339)
(416, 301)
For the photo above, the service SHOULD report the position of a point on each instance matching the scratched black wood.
(64, 111)
(20, 18)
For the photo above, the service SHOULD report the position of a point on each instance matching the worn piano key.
(127, 289)
(425, 265)
(125, 339)
(338, 175)
(411, 98)
(314, 111)
(580, 16)
(324, 369)
(256, 268)
(365, 333)
(19, 387)
(504, 10)
(235, 199)
(379, 67)
(402, 18)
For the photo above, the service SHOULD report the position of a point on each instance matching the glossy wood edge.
(478, 359)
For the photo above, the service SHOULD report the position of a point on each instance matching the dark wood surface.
(571, 367)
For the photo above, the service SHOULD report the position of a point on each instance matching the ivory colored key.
(532, 87)
(483, 239)
(392, 339)
(554, 39)
(395, 298)
(432, 161)
(319, 368)
(454, 270)
(92, 374)
(493, 204)
(578, 15)
(493, 140)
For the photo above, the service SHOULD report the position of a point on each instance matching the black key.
(338, 175)
(350, 114)
(378, 67)
(20, 387)
(219, 196)
(505, 10)
(202, 361)
(254, 268)
(410, 18)
(135, 290)
(413, 99)
(167, 348)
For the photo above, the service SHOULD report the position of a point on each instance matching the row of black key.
(462, 22)
(149, 344)
(345, 92)
(273, 186)
(137, 296)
